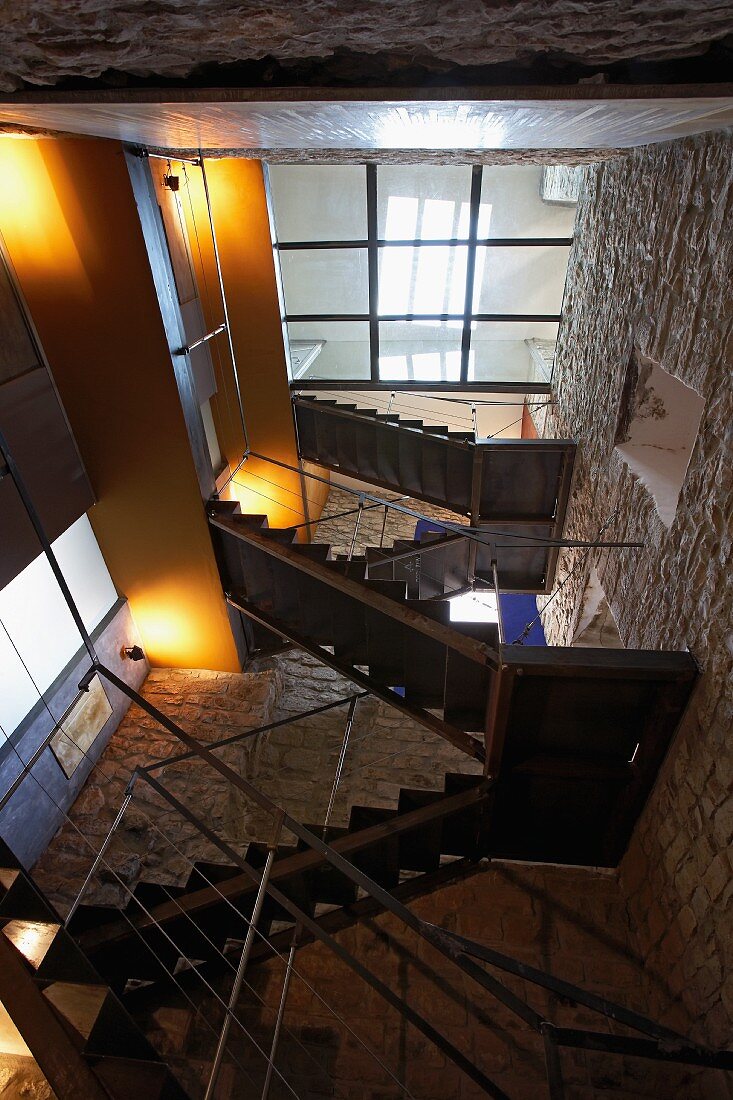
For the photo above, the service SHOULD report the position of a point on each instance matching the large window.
(420, 273)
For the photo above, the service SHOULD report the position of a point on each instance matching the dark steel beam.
(569, 991)
(304, 317)
(365, 385)
(656, 1051)
(156, 246)
(427, 242)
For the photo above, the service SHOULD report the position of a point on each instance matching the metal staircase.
(517, 487)
(573, 737)
(198, 919)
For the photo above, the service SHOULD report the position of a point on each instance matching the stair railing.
(663, 1043)
(404, 404)
(480, 535)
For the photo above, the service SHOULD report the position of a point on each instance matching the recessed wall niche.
(596, 627)
(658, 422)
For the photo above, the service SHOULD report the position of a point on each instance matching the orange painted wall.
(69, 219)
(239, 210)
(529, 430)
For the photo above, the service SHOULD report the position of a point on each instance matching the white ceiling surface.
(450, 124)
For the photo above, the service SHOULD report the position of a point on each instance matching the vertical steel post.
(101, 853)
(499, 623)
(384, 527)
(340, 763)
(222, 295)
(356, 527)
(280, 1013)
(552, 1062)
(246, 951)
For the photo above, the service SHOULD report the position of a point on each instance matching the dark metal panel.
(17, 351)
(38, 436)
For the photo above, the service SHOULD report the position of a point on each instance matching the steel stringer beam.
(311, 925)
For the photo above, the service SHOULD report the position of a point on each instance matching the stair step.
(464, 833)
(420, 848)
(205, 874)
(380, 861)
(425, 659)
(386, 637)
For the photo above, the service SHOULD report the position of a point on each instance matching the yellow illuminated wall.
(71, 227)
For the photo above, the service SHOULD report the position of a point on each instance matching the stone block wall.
(153, 842)
(650, 275)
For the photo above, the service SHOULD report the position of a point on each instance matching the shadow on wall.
(658, 422)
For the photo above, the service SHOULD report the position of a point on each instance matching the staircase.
(517, 487)
(573, 737)
(76, 1026)
(407, 850)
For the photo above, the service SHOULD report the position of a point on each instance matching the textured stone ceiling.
(45, 41)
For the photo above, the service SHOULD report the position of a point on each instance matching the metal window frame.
(373, 244)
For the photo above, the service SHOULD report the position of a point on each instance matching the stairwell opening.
(658, 421)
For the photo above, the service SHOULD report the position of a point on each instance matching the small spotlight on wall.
(133, 653)
(172, 182)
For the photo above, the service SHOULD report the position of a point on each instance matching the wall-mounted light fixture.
(133, 653)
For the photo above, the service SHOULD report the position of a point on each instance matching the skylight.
(460, 273)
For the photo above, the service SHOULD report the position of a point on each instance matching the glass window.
(511, 351)
(423, 202)
(319, 202)
(520, 280)
(418, 292)
(429, 279)
(512, 206)
(328, 280)
(423, 351)
(329, 349)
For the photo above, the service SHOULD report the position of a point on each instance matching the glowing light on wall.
(31, 204)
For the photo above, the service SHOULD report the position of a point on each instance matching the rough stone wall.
(650, 271)
(21, 1079)
(47, 40)
(338, 532)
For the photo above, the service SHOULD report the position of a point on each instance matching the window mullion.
(373, 260)
(476, 174)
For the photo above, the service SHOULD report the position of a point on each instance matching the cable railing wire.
(127, 891)
(113, 781)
